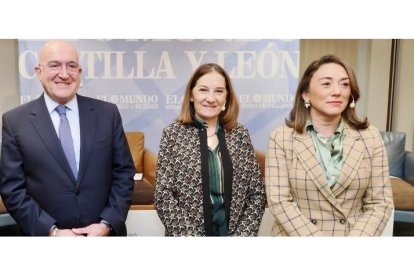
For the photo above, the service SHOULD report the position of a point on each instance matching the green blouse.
(216, 183)
(218, 211)
(329, 150)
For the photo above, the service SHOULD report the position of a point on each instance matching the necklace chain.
(327, 142)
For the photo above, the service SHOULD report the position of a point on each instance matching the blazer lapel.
(87, 122)
(43, 125)
(353, 150)
(306, 152)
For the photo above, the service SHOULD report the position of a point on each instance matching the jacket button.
(342, 221)
(314, 221)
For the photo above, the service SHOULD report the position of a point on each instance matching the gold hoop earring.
(307, 104)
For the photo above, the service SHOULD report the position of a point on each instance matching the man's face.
(59, 71)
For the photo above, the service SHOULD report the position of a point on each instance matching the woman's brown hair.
(300, 114)
(228, 117)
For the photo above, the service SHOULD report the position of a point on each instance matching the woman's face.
(209, 96)
(329, 92)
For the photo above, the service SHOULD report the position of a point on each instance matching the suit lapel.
(353, 150)
(43, 125)
(306, 152)
(87, 122)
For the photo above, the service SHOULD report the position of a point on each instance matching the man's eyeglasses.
(55, 67)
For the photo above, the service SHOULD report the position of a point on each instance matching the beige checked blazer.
(302, 201)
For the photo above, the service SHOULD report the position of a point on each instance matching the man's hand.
(93, 230)
(66, 233)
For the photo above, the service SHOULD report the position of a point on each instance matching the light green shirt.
(329, 151)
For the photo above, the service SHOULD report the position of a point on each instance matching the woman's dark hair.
(229, 116)
(299, 114)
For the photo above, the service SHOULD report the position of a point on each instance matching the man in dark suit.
(48, 191)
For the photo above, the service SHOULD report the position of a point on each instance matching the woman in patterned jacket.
(326, 170)
(208, 181)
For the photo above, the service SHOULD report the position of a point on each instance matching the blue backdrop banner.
(147, 78)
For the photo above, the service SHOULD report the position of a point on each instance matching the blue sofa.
(401, 163)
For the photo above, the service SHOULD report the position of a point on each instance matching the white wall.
(9, 93)
(404, 108)
(355, 52)
(370, 60)
(376, 98)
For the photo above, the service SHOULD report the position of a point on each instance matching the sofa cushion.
(261, 159)
(143, 192)
(403, 194)
(2, 207)
(395, 145)
(150, 165)
(136, 146)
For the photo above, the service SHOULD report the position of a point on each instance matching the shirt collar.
(51, 104)
(202, 122)
(339, 130)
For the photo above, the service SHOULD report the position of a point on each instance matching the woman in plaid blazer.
(208, 181)
(326, 170)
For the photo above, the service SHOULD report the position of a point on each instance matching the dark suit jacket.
(37, 185)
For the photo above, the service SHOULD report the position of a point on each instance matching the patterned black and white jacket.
(182, 195)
